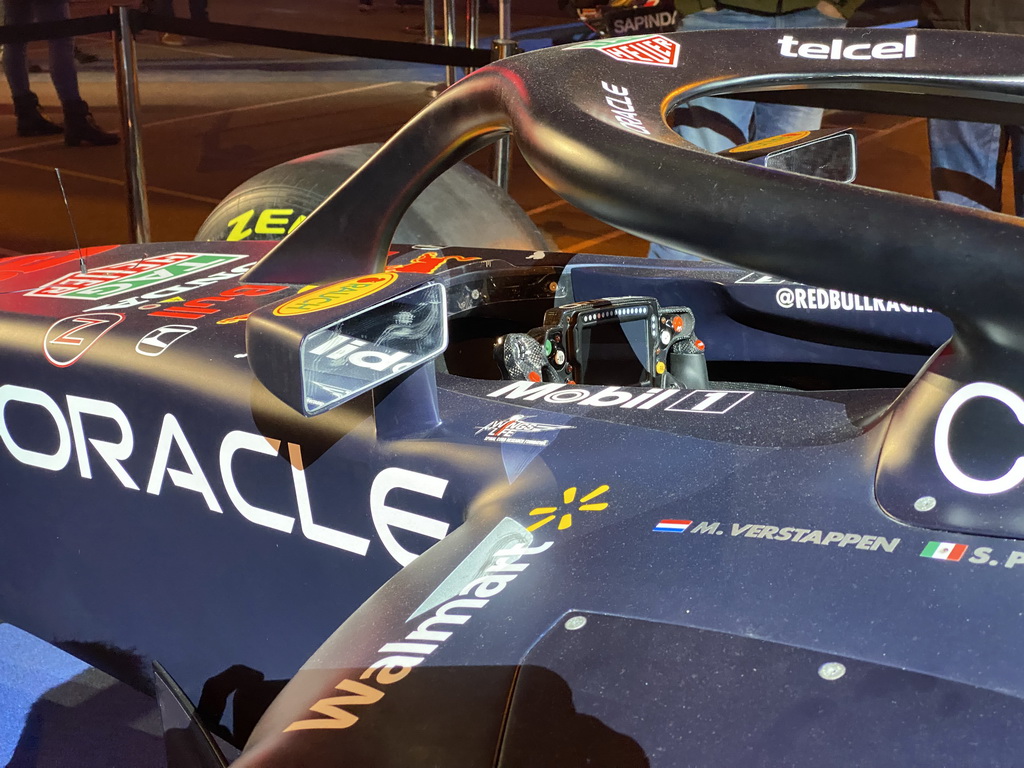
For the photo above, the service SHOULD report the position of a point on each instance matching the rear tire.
(462, 207)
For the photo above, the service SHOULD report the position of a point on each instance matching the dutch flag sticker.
(673, 526)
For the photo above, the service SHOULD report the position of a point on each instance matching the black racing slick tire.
(462, 207)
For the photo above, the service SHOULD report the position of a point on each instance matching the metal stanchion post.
(127, 73)
(449, 38)
(505, 21)
(472, 26)
(503, 47)
(429, 36)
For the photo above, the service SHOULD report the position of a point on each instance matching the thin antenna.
(67, 206)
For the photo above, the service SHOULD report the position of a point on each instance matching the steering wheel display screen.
(615, 352)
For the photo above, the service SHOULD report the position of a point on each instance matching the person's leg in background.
(163, 8)
(776, 119)
(717, 124)
(79, 125)
(966, 163)
(197, 10)
(158, 7)
(63, 71)
(712, 123)
(1015, 135)
(31, 121)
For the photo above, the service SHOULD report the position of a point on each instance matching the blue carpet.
(57, 711)
(28, 669)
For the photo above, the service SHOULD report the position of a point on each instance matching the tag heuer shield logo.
(656, 50)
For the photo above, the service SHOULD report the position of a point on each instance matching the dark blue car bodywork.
(812, 561)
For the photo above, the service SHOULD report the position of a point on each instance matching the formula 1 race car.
(567, 510)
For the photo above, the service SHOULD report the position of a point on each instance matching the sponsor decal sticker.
(554, 393)
(336, 295)
(622, 108)
(933, 550)
(105, 282)
(428, 263)
(820, 298)
(673, 526)
(501, 558)
(271, 221)
(172, 461)
(172, 293)
(774, 141)
(233, 320)
(648, 22)
(977, 556)
(840, 539)
(69, 338)
(510, 430)
(943, 453)
(564, 513)
(944, 550)
(158, 341)
(654, 50)
(364, 354)
(16, 266)
(196, 309)
(792, 48)
(504, 564)
(708, 401)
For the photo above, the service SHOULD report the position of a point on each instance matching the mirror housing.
(321, 348)
(824, 154)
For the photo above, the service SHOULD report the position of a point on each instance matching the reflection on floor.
(57, 712)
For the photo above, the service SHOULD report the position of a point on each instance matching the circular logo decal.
(335, 295)
(774, 141)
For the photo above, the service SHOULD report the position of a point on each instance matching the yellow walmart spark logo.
(568, 498)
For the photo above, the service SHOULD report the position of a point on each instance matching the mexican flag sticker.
(944, 550)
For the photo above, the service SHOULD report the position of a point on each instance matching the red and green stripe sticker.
(944, 550)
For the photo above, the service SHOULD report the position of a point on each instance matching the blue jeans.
(967, 160)
(716, 124)
(62, 52)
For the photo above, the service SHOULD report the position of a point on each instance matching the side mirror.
(324, 347)
(824, 154)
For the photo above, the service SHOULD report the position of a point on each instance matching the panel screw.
(831, 670)
(925, 504)
(576, 622)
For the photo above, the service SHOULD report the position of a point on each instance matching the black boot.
(80, 127)
(83, 57)
(31, 121)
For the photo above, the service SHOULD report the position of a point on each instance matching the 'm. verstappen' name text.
(800, 535)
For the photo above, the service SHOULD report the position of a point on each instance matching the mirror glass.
(361, 351)
(831, 157)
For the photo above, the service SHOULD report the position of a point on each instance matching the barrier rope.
(418, 53)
